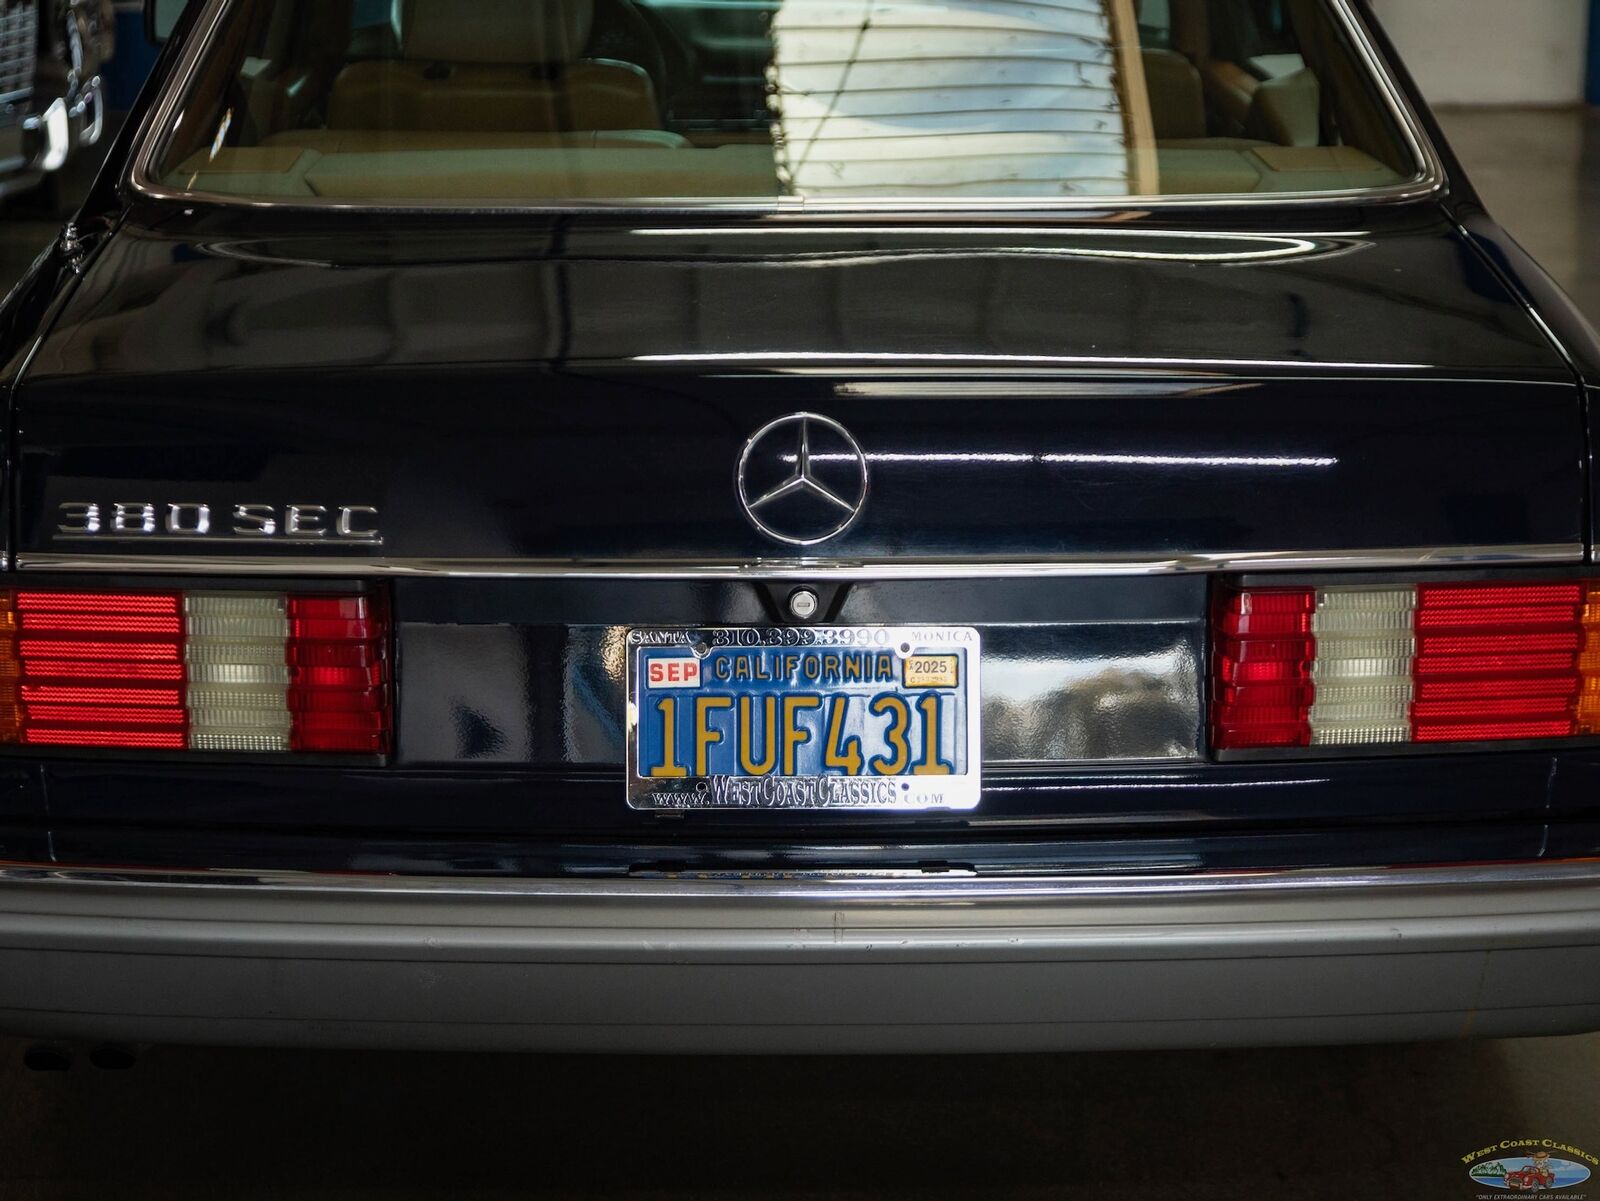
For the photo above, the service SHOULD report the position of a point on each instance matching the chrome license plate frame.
(934, 687)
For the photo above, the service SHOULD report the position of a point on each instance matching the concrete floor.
(1380, 1122)
(1280, 1124)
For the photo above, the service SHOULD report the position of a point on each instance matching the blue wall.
(125, 74)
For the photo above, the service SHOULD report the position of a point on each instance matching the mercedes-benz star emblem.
(802, 479)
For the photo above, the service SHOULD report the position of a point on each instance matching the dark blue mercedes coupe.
(805, 525)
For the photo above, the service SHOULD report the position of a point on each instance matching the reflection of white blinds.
(949, 98)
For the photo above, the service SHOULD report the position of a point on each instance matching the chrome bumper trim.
(930, 888)
(1549, 554)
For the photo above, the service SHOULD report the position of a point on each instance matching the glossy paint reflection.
(1091, 693)
(554, 696)
(1084, 391)
(1161, 297)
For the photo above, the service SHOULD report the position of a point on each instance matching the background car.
(51, 97)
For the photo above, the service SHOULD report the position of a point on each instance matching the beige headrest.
(495, 31)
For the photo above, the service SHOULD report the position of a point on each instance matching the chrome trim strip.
(890, 360)
(1553, 554)
(933, 887)
(1429, 182)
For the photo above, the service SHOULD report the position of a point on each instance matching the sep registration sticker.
(810, 717)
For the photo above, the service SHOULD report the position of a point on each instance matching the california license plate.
(811, 717)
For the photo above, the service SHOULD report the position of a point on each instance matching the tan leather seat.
(1287, 110)
(1177, 104)
(494, 66)
(1229, 88)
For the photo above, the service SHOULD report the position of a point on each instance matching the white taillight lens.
(1362, 669)
(238, 670)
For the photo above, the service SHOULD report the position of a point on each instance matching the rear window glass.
(548, 101)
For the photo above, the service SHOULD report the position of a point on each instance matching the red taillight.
(80, 654)
(1263, 679)
(1516, 645)
(337, 694)
(198, 670)
(1430, 663)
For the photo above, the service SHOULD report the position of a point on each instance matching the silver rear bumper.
(933, 963)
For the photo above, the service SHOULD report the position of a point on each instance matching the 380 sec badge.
(820, 717)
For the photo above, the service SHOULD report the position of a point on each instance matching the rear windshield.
(548, 101)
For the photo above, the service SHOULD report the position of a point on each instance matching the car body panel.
(283, 371)
(1196, 816)
(1157, 291)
